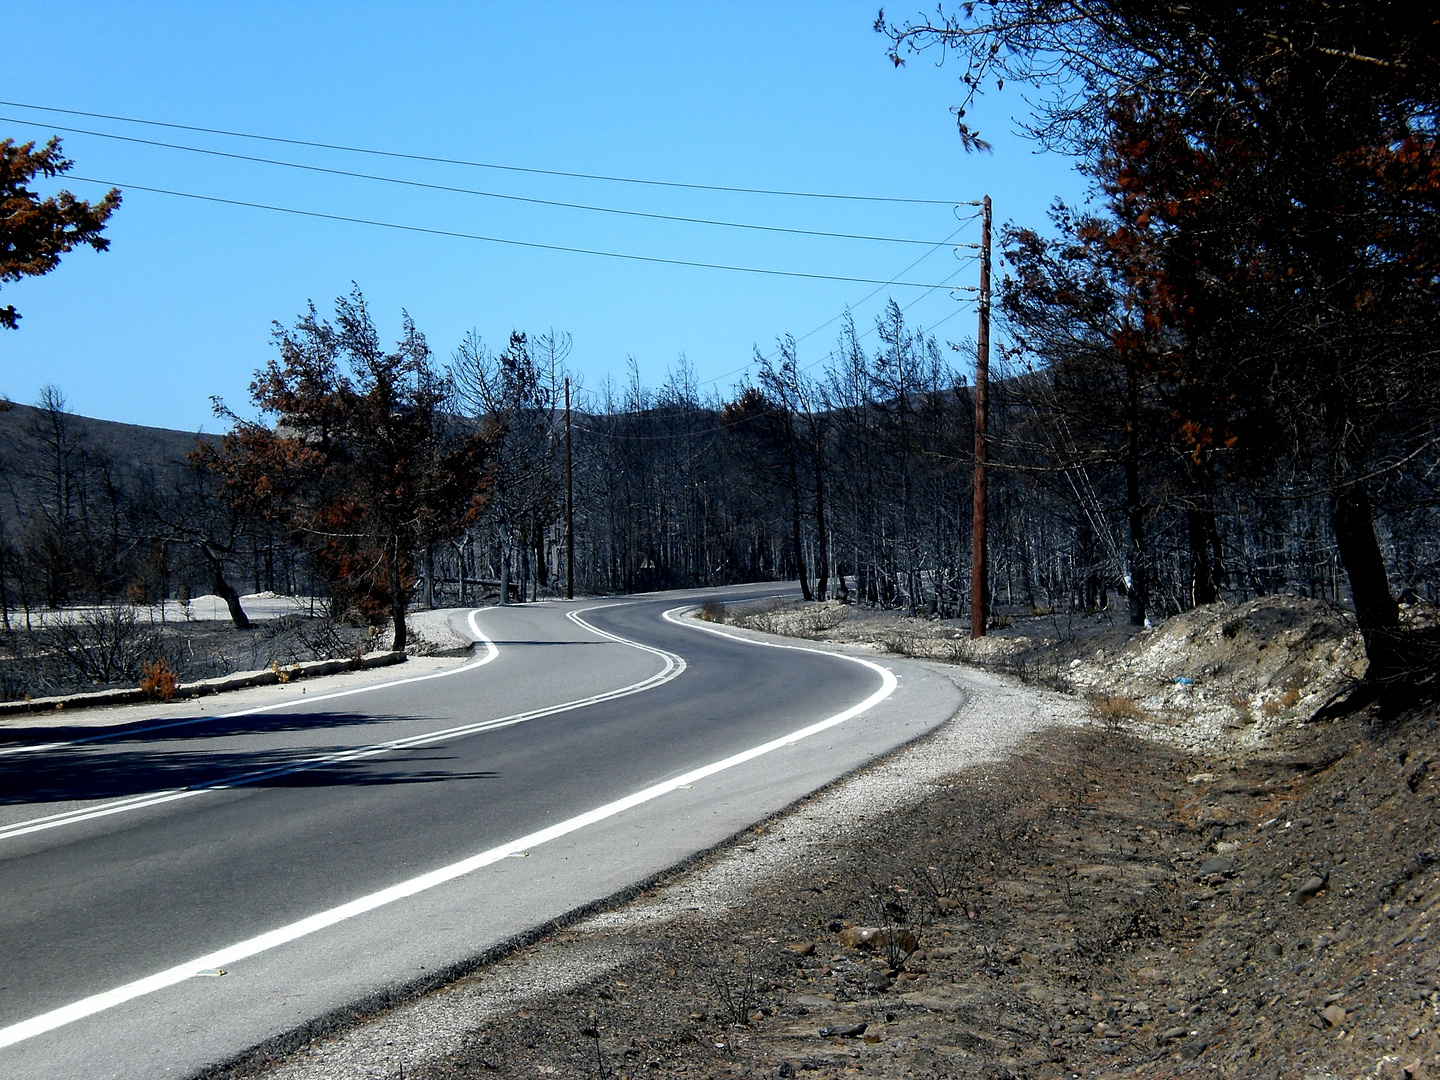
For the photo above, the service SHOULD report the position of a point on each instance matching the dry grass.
(158, 682)
(1116, 708)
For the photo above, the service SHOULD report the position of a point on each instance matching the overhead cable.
(865, 299)
(504, 240)
(469, 191)
(651, 414)
(482, 164)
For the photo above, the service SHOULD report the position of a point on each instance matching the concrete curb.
(240, 680)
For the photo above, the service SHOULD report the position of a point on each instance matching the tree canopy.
(363, 464)
(35, 232)
(1267, 185)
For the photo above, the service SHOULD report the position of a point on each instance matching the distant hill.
(76, 498)
(132, 449)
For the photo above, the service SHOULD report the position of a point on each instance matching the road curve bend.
(174, 893)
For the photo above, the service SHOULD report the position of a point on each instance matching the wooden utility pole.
(979, 553)
(569, 504)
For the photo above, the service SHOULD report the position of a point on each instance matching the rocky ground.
(1174, 885)
(1216, 678)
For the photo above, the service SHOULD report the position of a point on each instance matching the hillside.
(28, 448)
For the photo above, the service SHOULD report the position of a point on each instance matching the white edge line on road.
(674, 666)
(68, 1014)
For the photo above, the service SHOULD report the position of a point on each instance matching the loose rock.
(1312, 887)
(1220, 864)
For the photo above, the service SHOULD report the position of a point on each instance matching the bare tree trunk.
(225, 590)
(1375, 608)
(1136, 586)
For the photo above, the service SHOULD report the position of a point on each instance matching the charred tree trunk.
(504, 565)
(223, 588)
(1136, 586)
(1203, 536)
(542, 564)
(795, 537)
(397, 596)
(1202, 580)
(1375, 608)
(822, 547)
(430, 575)
(794, 468)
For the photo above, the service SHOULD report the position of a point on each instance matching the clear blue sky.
(787, 96)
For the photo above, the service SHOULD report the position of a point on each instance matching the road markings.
(674, 665)
(233, 954)
(672, 616)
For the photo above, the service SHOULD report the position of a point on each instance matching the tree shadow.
(190, 727)
(80, 772)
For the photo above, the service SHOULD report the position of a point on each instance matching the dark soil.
(1099, 905)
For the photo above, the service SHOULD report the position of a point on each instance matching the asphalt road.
(329, 850)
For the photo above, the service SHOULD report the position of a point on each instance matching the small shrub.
(737, 992)
(1243, 709)
(899, 642)
(322, 639)
(1114, 709)
(1001, 622)
(1041, 611)
(1288, 699)
(158, 682)
(713, 611)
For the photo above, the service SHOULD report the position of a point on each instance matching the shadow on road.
(117, 767)
(192, 727)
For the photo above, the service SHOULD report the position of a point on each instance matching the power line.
(467, 191)
(905, 307)
(481, 164)
(865, 299)
(503, 240)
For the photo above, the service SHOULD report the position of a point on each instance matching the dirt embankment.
(1217, 677)
(1197, 883)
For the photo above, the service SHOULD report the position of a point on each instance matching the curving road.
(340, 845)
